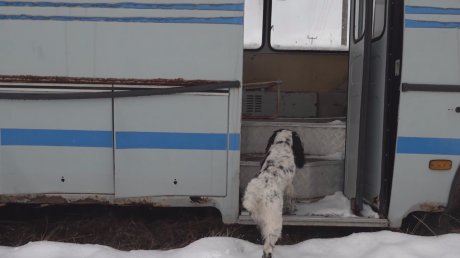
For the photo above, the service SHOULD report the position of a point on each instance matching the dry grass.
(431, 224)
(123, 228)
(134, 228)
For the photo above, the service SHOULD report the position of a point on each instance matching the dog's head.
(292, 139)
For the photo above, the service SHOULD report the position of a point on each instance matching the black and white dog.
(264, 194)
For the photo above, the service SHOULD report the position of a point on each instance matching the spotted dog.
(264, 194)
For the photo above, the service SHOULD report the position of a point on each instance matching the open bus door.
(359, 57)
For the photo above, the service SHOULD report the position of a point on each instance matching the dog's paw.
(289, 206)
(289, 209)
(269, 255)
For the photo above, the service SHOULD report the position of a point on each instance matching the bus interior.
(295, 76)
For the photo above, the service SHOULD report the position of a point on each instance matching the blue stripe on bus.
(166, 140)
(431, 10)
(431, 24)
(49, 137)
(193, 20)
(125, 140)
(129, 5)
(234, 143)
(421, 145)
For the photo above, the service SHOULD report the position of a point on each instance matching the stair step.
(319, 137)
(318, 178)
(295, 220)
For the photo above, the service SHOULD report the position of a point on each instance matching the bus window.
(360, 7)
(253, 19)
(379, 18)
(309, 25)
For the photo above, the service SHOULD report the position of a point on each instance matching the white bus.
(170, 103)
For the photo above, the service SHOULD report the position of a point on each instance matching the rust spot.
(199, 199)
(48, 199)
(87, 80)
(54, 199)
(376, 200)
(155, 201)
(30, 198)
(92, 200)
(152, 201)
(159, 201)
(432, 207)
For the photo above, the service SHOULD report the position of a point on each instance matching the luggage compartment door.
(171, 145)
(53, 146)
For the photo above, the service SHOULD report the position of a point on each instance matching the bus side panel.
(114, 39)
(431, 50)
(428, 129)
(122, 41)
(428, 125)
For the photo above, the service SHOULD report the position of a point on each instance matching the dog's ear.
(297, 149)
(271, 140)
(265, 158)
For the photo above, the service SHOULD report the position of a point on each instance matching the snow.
(333, 156)
(336, 205)
(361, 245)
(337, 122)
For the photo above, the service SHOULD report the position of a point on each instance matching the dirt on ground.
(135, 227)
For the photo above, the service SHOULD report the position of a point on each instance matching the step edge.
(307, 164)
(292, 124)
(293, 220)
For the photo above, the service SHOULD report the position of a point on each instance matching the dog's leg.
(290, 207)
(271, 229)
(269, 245)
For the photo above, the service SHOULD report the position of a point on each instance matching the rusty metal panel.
(95, 80)
(45, 199)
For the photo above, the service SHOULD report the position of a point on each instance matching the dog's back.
(267, 188)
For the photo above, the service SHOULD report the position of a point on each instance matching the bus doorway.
(310, 74)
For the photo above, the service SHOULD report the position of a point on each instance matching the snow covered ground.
(336, 205)
(361, 245)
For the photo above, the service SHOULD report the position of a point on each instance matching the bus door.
(359, 56)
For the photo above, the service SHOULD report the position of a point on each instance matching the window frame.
(264, 22)
(266, 33)
(268, 22)
(358, 39)
(384, 22)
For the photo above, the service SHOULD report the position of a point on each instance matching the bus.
(171, 103)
